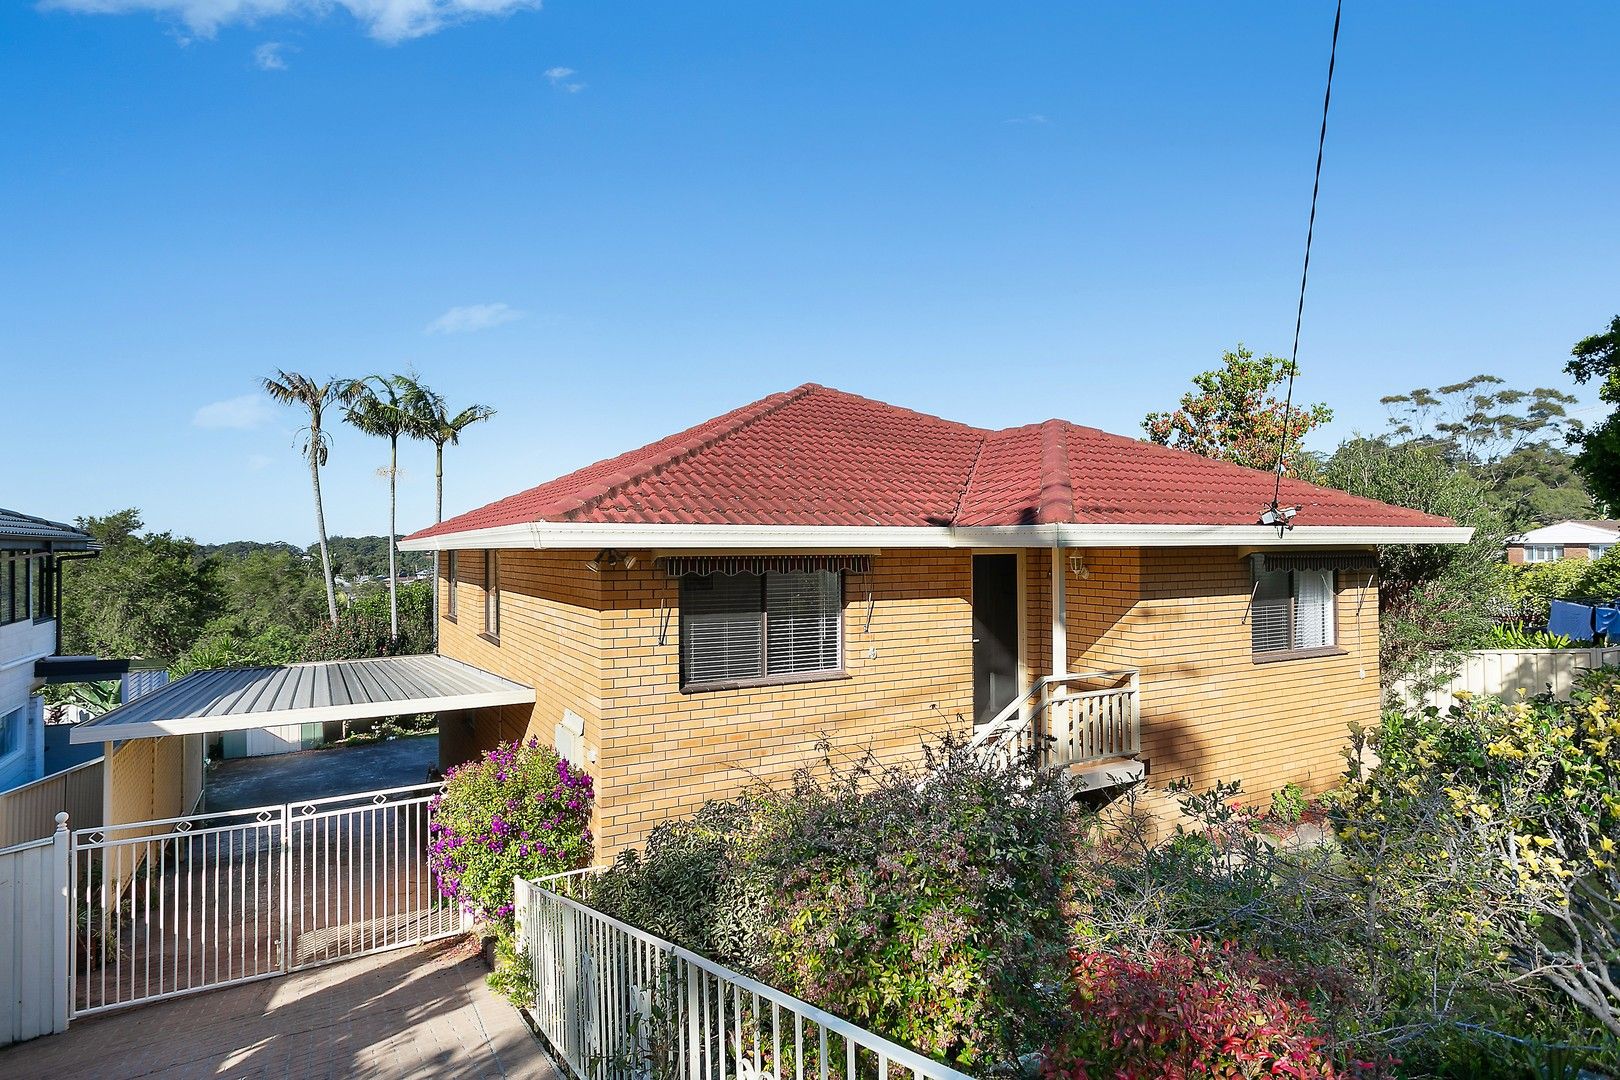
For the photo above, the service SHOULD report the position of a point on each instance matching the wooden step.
(1111, 772)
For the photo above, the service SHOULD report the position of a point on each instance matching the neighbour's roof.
(37, 530)
(818, 456)
(233, 699)
(1571, 532)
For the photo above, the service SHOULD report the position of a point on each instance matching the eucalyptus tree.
(291, 388)
(379, 407)
(437, 426)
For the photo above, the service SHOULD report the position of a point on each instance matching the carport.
(171, 902)
(156, 771)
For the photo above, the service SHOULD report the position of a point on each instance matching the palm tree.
(291, 388)
(383, 412)
(435, 424)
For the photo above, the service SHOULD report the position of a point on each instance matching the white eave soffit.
(575, 536)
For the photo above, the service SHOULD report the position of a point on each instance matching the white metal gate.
(173, 906)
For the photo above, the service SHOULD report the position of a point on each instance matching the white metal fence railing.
(617, 1003)
(177, 905)
(34, 937)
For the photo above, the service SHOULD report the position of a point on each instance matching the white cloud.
(471, 317)
(246, 411)
(268, 56)
(562, 79)
(1028, 118)
(390, 21)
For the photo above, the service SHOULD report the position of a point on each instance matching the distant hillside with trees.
(153, 595)
(352, 556)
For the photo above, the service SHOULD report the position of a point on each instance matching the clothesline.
(1583, 622)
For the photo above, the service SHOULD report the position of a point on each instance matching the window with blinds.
(450, 577)
(738, 628)
(1292, 610)
(492, 594)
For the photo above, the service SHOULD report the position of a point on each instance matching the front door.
(995, 634)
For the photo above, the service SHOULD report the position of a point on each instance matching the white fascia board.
(1256, 536)
(562, 536)
(200, 725)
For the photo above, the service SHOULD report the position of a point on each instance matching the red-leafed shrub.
(1201, 1010)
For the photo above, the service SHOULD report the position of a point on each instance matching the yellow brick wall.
(907, 650)
(607, 646)
(550, 639)
(1208, 710)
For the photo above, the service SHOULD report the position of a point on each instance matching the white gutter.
(564, 536)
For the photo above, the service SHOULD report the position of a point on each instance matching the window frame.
(1273, 656)
(451, 575)
(833, 674)
(1597, 551)
(492, 596)
(1538, 553)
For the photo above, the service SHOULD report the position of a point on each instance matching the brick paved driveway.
(411, 1013)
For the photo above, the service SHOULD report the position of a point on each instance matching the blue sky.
(613, 220)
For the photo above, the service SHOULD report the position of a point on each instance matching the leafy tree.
(1598, 358)
(147, 595)
(227, 642)
(273, 586)
(437, 426)
(1501, 435)
(1434, 599)
(1601, 579)
(1235, 414)
(291, 388)
(380, 407)
(363, 628)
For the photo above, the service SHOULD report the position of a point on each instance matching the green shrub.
(1535, 584)
(928, 903)
(1600, 579)
(1516, 636)
(517, 811)
(363, 628)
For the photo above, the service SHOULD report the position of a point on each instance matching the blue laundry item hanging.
(1572, 620)
(1606, 620)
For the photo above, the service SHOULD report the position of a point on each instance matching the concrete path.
(411, 1014)
(314, 774)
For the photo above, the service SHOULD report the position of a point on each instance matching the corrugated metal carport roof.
(233, 699)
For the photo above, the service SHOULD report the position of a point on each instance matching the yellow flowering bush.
(1521, 800)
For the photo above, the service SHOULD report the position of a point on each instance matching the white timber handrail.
(1068, 719)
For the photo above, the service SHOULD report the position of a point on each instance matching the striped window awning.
(1316, 560)
(681, 565)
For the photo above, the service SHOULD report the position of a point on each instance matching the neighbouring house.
(1564, 540)
(817, 567)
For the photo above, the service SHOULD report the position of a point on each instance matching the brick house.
(1579, 540)
(706, 609)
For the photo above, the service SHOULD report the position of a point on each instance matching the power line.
(1305, 272)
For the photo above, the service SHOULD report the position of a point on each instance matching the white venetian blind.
(722, 628)
(803, 618)
(1271, 619)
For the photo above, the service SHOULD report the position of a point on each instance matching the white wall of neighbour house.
(22, 643)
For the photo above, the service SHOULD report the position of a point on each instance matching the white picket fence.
(617, 1003)
(34, 937)
(1504, 672)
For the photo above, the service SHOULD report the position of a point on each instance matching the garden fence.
(1504, 672)
(617, 1003)
(34, 937)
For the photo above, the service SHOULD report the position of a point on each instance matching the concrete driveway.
(411, 1014)
(314, 774)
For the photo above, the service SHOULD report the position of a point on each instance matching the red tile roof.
(818, 456)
